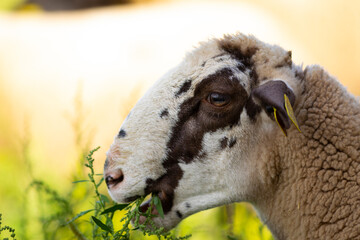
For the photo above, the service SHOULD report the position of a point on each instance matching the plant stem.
(76, 232)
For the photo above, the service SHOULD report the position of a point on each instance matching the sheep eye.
(218, 99)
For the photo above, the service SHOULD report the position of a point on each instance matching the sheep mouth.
(164, 199)
(146, 205)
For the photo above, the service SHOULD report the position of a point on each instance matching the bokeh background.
(70, 71)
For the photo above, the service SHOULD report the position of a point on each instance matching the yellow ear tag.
(278, 122)
(290, 112)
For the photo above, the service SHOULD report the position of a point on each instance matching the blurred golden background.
(71, 70)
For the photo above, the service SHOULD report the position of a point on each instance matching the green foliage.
(102, 219)
(10, 230)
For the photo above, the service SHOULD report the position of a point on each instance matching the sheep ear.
(277, 99)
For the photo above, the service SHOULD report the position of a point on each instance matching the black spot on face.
(241, 67)
(187, 205)
(223, 142)
(252, 109)
(244, 57)
(232, 142)
(179, 214)
(164, 113)
(184, 88)
(122, 133)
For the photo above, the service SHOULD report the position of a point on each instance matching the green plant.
(102, 219)
(6, 228)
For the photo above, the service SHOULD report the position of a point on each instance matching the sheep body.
(319, 197)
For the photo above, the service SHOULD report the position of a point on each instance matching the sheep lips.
(145, 206)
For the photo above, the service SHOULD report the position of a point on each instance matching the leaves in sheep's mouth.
(156, 201)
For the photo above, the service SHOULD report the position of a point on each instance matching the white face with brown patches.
(193, 136)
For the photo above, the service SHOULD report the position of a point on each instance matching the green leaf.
(104, 198)
(231, 237)
(157, 203)
(81, 181)
(101, 225)
(115, 208)
(100, 182)
(79, 215)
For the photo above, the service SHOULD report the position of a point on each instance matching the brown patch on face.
(196, 117)
(166, 185)
(287, 61)
(184, 88)
(245, 57)
(232, 142)
(223, 142)
(252, 109)
(164, 113)
(241, 67)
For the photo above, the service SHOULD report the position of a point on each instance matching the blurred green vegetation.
(40, 207)
(8, 5)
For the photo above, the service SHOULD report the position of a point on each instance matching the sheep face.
(192, 138)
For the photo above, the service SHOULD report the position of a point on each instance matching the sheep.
(222, 127)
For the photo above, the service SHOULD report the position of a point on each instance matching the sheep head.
(194, 137)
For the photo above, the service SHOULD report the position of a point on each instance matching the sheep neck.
(315, 193)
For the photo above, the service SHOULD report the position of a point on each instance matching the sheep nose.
(112, 178)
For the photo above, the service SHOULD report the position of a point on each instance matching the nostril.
(114, 177)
